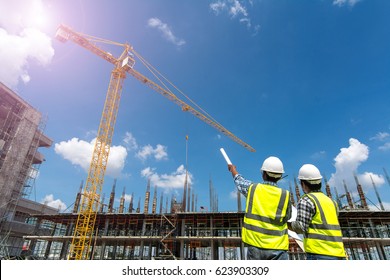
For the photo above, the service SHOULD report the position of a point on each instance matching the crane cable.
(100, 40)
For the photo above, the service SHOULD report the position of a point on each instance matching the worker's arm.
(241, 183)
(232, 169)
(305, 213)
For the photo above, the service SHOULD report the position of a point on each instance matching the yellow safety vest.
(324, 236)
(265, 221)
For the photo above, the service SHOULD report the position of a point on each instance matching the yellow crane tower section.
(84, 228)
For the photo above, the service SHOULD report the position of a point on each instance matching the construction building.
(194, 234)
(21, 135)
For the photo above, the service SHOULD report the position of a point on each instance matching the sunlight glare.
(36, 17)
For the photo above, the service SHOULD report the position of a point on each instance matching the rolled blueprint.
(225, 156)
(293, 234)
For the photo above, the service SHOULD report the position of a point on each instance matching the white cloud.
(79, 152)
(377, 207)
(130, 141)
(347, 163)
(318, 155)
(233, 194)
(166, 31)
(235, 9)
(21, 42)
(20, 14)
(116, 160)
(217, 7)
(350, 158)
(159, 153)
(144, 152)
(246, 21)
(365, 179)
(345, 2)
(386, 205)
(128, 197)
(91, 134)
(385, 147)
(380, 136)
(57, 204)
(174, 180)
(147, 172)
(256, 29)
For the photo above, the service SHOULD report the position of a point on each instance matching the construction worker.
(267, 210)
(317, 219)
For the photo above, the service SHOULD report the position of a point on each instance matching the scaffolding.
(21, 135)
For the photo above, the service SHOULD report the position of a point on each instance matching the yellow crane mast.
(84, 228)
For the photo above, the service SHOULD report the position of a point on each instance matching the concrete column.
(103, 248)
(141, 247)
(242, 251)
(381, 252)
(36, 230)
(182, 255)
(47, 251)
(242, 247)
(65, 244)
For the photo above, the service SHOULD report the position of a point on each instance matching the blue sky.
(307, 81)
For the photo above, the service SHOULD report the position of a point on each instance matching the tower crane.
(123, 65)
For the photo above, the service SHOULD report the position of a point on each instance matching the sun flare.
(36, 17)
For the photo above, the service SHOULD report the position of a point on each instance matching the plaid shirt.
(305, 213)
(243, 184)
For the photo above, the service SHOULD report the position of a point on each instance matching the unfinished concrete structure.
(21, 134)
(196, 234)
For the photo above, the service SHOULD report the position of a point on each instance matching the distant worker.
(317, 219)
(267, 210)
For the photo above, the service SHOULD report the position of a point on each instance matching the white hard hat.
(309, 172)
(274, 166)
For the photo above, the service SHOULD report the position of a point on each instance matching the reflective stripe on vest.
(265, 219)
(324, 235)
